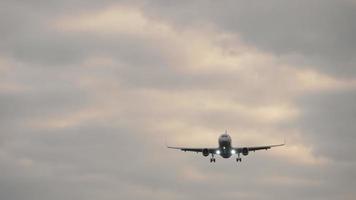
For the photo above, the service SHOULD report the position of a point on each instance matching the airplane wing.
(210, 150)
(256, 148)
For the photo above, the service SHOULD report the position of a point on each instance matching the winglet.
(165, 142)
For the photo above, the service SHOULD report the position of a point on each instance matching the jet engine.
(245, 151)
(205, 152)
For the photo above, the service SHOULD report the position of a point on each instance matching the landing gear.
(212, 159)
(238, 159)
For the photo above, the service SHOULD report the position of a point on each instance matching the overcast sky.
(90, 91)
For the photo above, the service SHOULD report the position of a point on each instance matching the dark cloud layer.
(329, 121)
(322, 32)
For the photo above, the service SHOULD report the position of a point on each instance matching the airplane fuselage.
(225, 146)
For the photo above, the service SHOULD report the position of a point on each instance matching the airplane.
(225, 149)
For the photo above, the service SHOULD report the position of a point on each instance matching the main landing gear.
(212, 159)
(238, 159)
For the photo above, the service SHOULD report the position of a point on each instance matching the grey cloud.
(73, 155)
(18, 109)
(321, 31)
(51, 48)
(86, 158)
(329, 121)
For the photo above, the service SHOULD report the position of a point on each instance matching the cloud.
(89, 94)
(330, 115)
(321, 32)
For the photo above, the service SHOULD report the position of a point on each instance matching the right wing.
(256, 148)
(264, 147)
(210, 150)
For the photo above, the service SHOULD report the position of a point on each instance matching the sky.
(91, 92)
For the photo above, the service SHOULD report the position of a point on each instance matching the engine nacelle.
(245, 151)
(205, 152)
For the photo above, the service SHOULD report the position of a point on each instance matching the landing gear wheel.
(212, 159)
(238, 159)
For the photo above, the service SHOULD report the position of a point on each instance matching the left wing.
(209, 150)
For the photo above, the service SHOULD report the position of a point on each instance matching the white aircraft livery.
(225, 149)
